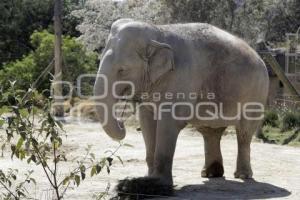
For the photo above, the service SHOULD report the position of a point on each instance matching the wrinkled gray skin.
(184, 58)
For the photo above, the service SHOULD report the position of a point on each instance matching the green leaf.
(128, 145)
(82, 168)
(21, 194)
(33, 158)
(119, 158)
(22, 154)
(98, 169)
(13, 150)
(9, 183)
(109, 159)
(77, 180)
(2, 122)
(4, 109)
(93, 171)
(66, 180)
(20, 143)
(33, 180)
(82, 175)
(24, 113)
(107, 169)
(14, 177)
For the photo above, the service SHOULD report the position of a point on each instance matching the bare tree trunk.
(58, 108)
(231, 7)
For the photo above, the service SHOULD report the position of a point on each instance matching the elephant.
(228, 80)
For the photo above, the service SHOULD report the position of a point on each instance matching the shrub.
(35, 136)
(290, 121)
(76, 59)
(271, 118)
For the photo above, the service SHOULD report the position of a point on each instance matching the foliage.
(20, 18)
(200, 11)
(281, 126)
(275, 135)
(26, 70)
(98, 16)
(285, 18)
(36, 137)
(249, 19)
(290, 121)
(15, 189)
(69, 22)
(271, 118)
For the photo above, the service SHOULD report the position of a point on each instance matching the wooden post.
(280, 74)
(58, 109)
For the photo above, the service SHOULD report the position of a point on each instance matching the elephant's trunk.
(104, 106)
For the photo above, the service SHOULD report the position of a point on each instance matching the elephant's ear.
(160, 58)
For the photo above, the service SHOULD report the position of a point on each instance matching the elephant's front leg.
(166, 138)
(213, 166)
(148, 126)
(160, 181)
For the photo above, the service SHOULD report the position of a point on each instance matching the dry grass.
(86, 109)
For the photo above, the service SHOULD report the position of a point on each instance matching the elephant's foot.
(243, 173)
(213, 170)
(142, 188)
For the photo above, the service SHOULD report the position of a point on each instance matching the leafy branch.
(34, 135)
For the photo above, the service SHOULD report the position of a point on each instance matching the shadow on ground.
(216, 188)
(220, 188)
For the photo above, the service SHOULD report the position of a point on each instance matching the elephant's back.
(188, 31)
(197, 32)
(219, 60)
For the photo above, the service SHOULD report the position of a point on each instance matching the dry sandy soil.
(276, 168)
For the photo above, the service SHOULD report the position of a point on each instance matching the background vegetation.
(27, 69)
(26, 26)
(20, 18)
(281, 126)
(249, 19)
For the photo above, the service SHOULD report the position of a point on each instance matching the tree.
(193, 10)
(26, 70)
(237, 15)
(248, 19)
(58, 111)
(20, 18)
(98, 16)
(285, 18)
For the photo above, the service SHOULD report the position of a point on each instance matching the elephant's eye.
(121, 71)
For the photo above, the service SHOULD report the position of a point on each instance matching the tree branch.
(8, 190)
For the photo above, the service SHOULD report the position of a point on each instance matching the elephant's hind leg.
(213, 158)
(244, 132)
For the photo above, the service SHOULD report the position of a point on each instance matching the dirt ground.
(276, 168)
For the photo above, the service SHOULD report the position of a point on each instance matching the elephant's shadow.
(220, 188)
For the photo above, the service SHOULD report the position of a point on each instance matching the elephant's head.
(135, 52)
